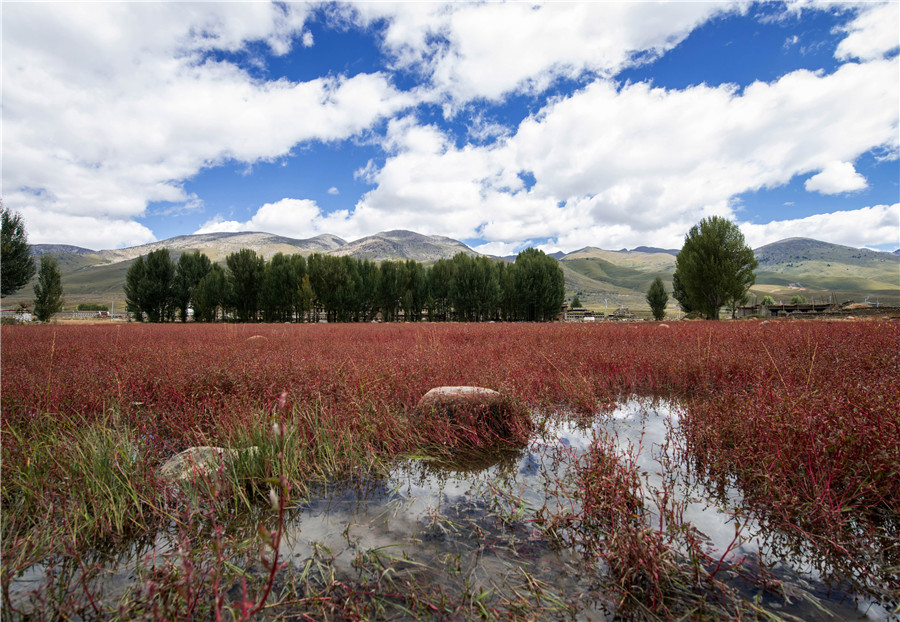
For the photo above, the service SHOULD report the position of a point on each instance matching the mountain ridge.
(600, 277)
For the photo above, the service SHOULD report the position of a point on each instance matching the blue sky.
(503, 125)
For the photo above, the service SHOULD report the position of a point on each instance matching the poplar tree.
(48, 291)
(657, 298)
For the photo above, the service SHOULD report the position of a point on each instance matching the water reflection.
(462, 526)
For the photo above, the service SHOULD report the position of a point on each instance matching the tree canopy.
(290, 287)
(657, 298)
(714, 266)
(16, 263)
(48, 291)
(150, 286)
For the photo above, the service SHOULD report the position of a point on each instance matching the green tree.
(679, 294)
(48, 291)
(16, 263)
(210, 295)
(576, 302)
(191, 268)
(389, 286)
(714, 266)
(438, 279)
(280, 281)
(244, 277)
(768, 300)
(415, 290)
(540, 286)
(798, 300)
(464, 287)
(657, 298)
(157, 287)
(301, 303)
(305, 298)
(134, 279)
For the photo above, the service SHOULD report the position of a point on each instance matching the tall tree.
(415, 290)
(210, 295)
(191, 268)
(134, 279)
(16, 263)
(280, 282)
(157, 288)
(540, 285)
(657, 298)
(388, 292)
(48, 291)
(464, 287)
(438, 279)
(715, 265)
(301, 300)
(245, 275)
(305, 299)
(679, 294)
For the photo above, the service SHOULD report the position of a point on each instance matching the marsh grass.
(806, 431)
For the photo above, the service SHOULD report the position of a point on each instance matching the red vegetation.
(804, 415)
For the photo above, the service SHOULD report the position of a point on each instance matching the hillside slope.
(400, 244)
(788, 267)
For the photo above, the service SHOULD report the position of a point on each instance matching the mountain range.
(610, 278)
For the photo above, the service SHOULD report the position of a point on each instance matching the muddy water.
(464, 528)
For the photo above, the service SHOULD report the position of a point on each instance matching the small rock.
(663, 326)
(199, 461)
(191, 462)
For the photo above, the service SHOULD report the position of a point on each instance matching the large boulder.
(483, 413)
(450, 400)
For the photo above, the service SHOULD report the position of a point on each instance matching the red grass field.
(804, 416)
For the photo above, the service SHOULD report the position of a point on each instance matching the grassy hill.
(814, 269)
(823, 271)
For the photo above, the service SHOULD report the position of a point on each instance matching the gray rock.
(198, 462)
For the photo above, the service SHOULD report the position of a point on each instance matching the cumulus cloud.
(293, 218)
(537, 43)
(108, 107)
(131, 104)
(618, 166)
(877, 225)
(872, 34)
(835, 178)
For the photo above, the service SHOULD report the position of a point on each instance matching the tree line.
(345, 289)
(17, 267)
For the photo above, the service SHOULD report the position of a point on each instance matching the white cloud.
(502, 249)
(874, 33)
(293, 218)
(94, 232)
(620, 166)
(109, 106)
(334, 191)
(877, 225)
(487, 50)
(835, 178)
